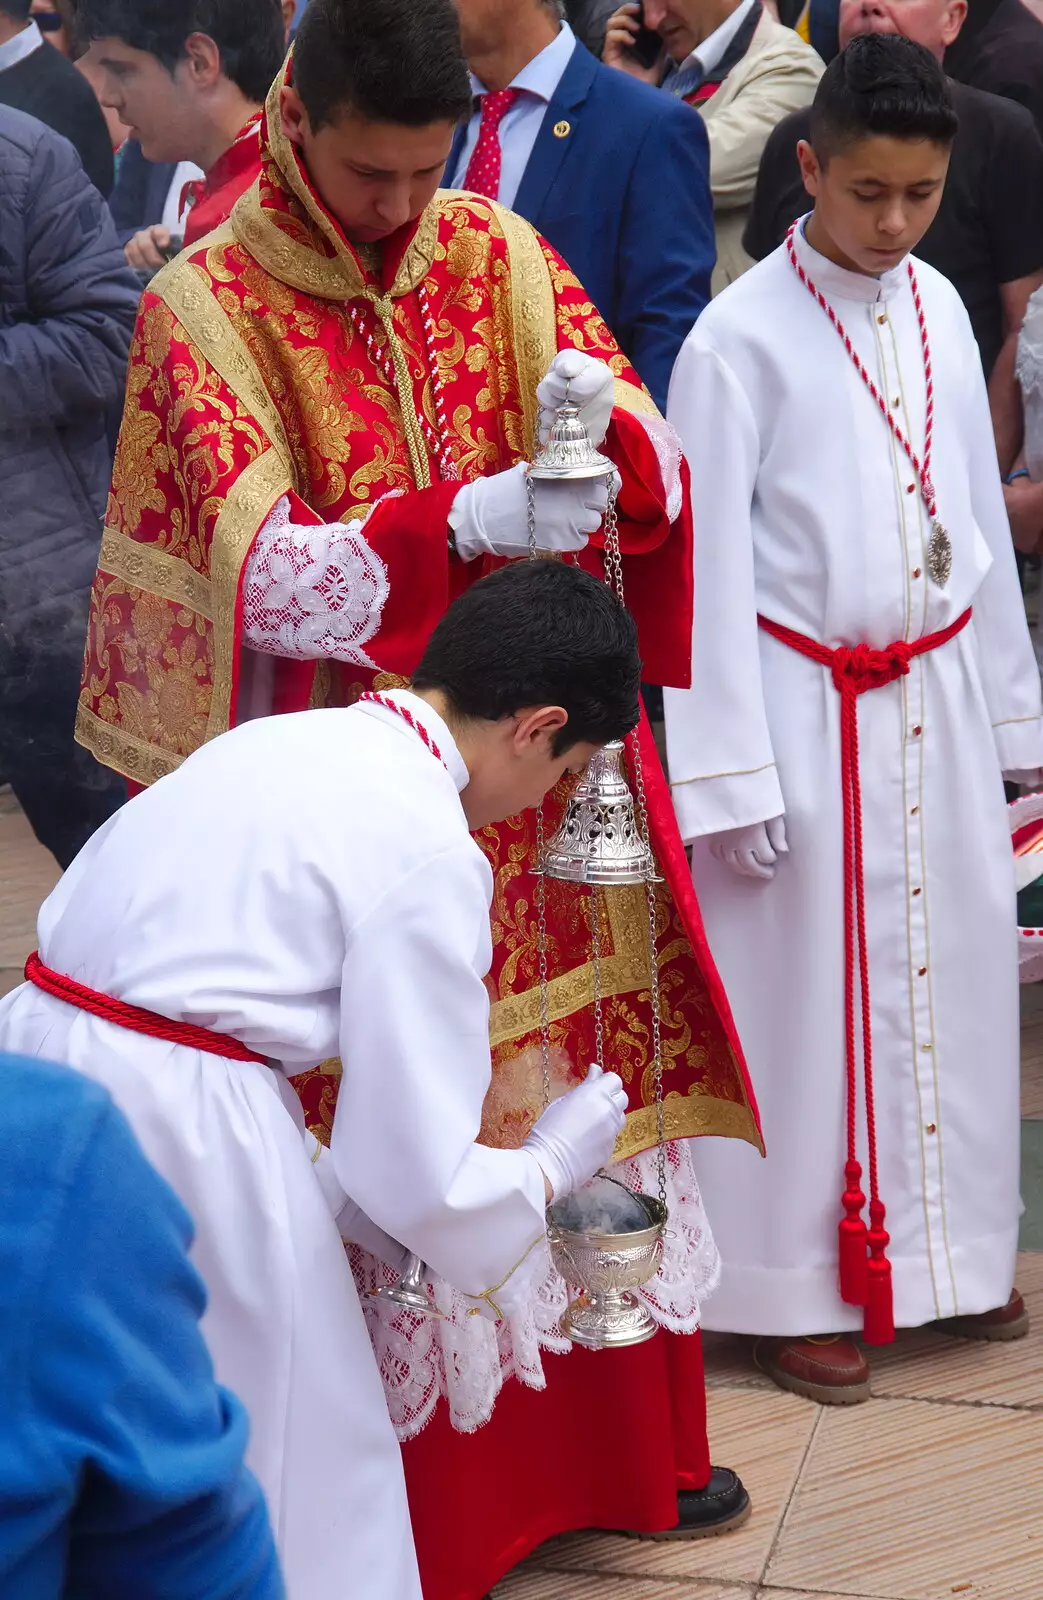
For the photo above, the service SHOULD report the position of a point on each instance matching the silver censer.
(601, 842)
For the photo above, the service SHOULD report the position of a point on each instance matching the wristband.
(1022, 472)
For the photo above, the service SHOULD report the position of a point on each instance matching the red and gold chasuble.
(277, 359)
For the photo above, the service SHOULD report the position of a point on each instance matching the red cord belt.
(865, 1271)
(135, 1018)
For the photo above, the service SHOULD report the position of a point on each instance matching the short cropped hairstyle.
(539, 633)
(398, 61)
(881, 86)
(250, 34)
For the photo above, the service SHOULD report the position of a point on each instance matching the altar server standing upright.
(863, 678)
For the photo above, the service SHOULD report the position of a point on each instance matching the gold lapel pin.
(562, 130)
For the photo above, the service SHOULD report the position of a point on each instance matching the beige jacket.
(777, 75)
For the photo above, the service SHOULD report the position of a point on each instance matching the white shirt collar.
(433, 724)
(711, 51)
(837, 283)
(23, 44)
(544, 72)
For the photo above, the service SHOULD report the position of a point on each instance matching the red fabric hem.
(607, 1445)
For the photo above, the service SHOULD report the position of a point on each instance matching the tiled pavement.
(932, 1490)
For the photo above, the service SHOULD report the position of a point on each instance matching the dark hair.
(17, 10)
(539, 633)
(388, 60)
(885, 86)
(250, 34)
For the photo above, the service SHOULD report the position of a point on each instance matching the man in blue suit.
(614, 174)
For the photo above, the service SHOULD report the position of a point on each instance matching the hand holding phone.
(631, 46)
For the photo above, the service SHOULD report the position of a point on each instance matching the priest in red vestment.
(330, 400)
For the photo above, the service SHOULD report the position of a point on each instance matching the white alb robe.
(307, 885)
(807, 511)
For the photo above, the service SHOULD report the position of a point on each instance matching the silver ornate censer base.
(410, 1292)
(605, 1267)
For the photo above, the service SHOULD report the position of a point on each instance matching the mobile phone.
(648, 45)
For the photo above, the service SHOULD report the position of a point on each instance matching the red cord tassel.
(879, 1327)
(854, 1240)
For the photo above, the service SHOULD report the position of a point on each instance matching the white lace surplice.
(311, 592)
(466, 1359)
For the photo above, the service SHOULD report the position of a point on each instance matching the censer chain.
(595, 950)
(541, 950)
(614, 573)
(614, 577)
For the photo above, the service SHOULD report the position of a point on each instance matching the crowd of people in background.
(661, 149)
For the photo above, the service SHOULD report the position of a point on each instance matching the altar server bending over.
(862, 678)
(302, 887)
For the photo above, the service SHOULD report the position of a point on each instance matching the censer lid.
(569, 454)
(599, 842)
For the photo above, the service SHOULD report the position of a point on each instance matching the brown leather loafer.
(831, 1370)
(1006, 1322)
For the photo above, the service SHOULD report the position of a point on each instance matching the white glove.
(591, 386)
(752, 851)
(491, 515)
(577, 1134)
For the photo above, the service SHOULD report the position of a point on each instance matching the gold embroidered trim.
(708, 777)
(149, 568)
(411, 425)
(637, 401)
(1009, 722)
(120, 750)
(688, 1116)
(623, 972)
(185, 290)
(533, 310)
(249, 501)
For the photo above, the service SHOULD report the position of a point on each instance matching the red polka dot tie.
(483, 169)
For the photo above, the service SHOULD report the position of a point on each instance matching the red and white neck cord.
(922, 470)
(437, 443)
(407, 717)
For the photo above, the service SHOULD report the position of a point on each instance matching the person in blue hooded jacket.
(121, 1461)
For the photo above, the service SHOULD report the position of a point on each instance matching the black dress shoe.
(705, 1513)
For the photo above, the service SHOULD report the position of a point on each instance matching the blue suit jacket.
(625, 198)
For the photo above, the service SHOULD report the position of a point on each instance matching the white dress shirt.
(23, 44)
(711, 52)
(520, 128)
(184, 172)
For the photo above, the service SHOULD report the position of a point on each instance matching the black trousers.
(63, 791)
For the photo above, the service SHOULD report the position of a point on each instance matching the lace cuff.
(667, 447)
(312, 592)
